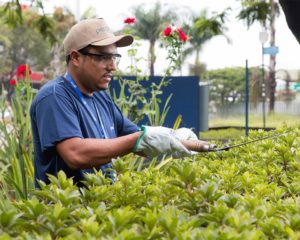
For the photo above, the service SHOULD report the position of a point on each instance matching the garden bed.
(251, 192)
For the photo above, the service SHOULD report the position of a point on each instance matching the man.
(76, 126)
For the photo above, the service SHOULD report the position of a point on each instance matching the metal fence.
(291, 108)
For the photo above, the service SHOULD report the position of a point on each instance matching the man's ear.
(74, 58)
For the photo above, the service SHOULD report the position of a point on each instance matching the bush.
(251, 192)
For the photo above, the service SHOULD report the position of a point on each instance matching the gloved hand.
(155, 141)
(188, 134)
(184, 134)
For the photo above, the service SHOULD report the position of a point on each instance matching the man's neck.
(79, 84)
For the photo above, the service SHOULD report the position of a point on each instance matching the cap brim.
(120, 41)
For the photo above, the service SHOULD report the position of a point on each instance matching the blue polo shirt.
(57, 113)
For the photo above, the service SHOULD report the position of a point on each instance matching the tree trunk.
(271, 78)
(254, 89)
(56, 59)
(152, 57)
(55, 65)
(197, 62)
(197, 67)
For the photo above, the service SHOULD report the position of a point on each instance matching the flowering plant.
(12, 82)
(131, 106)
(15, 138)
(137, 105)
(129, 20)
(22, 71)
(174, 38)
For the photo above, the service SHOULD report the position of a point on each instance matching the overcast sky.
(217, 53)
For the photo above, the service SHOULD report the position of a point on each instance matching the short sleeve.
(56, 120)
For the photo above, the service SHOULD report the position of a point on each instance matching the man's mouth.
(107, 77)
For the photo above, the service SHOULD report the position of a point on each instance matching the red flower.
(167, 31)
(21, 71)
(12, 82)
(24, 7)
(182, 35)
(129, 20)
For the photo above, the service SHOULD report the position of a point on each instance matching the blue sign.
(273, 50)
(297, 87)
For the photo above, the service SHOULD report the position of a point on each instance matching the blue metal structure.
(185, 100)
(246, 99)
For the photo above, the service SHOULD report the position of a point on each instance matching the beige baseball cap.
(93, 32)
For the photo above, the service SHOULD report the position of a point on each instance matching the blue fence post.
(246, 99)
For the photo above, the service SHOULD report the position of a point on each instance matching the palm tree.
(13, 13)
(64, 20)
(149, 25)
(90, 12)
(264, 12)
(201, 31)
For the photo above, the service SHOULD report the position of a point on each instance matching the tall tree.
(63, 20)
(149, 25)
(201, 31)
(5, 44)
(90, 12)
(12, 12)
(24, 44)
(264, 12)
(226, 85)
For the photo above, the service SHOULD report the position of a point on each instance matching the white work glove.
(155, 141)
(184, 134)
(188, 134)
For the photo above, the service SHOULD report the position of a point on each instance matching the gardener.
(76, 126)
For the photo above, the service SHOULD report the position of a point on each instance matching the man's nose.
(112, 64)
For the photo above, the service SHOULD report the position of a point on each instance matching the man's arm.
(86, 153)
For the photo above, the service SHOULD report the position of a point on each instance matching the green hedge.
(250, 192)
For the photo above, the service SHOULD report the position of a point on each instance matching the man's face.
(96, 67)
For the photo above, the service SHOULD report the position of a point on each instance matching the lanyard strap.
(100, 120)
(69, 78)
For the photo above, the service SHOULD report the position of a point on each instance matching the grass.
(222, 134)
(256, 121)
(272, 121)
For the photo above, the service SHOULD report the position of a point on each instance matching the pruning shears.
(200, 146)
(226, 148)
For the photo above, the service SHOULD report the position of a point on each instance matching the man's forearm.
(88, 153)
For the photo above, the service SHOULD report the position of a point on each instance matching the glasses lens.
(116, 58)
(104, 58)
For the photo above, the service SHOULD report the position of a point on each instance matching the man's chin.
(101, 88)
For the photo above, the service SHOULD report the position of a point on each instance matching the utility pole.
(78, 10)
(263, 38)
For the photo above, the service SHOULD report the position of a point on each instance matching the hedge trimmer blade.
(226, 148)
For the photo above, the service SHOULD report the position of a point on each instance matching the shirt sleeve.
(56, 120)
(128, 127)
